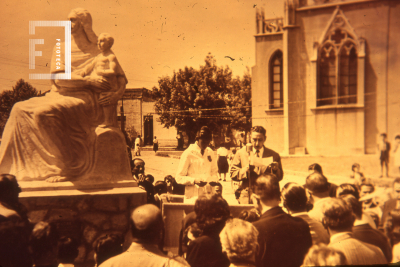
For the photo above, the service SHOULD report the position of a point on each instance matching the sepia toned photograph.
(199, 133)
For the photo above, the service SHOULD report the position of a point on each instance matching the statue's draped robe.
(54, 135)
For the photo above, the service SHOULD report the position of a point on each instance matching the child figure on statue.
(105, 65)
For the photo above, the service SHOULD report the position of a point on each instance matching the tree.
(21, 91)
(238, 103)
(208, 96)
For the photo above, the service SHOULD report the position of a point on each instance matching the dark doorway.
(148, 130)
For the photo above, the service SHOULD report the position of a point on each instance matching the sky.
(152, 38)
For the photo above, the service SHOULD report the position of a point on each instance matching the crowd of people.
(312, 223)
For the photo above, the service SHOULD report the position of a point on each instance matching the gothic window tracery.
(337, 77)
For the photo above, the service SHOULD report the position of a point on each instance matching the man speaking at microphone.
(255, 159)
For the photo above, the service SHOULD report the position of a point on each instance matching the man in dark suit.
(392, 203)
(364, 232)
(244, 161)
(284, 240)
(339, 219)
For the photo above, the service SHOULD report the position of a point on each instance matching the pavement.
(161, 166)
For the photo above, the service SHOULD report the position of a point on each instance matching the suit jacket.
(206, 251)
(388, 207)
(357, 252)
(142, 255)
(367, 234)
(189, 219)
(318, 233)
(241, 159)
(284, 240)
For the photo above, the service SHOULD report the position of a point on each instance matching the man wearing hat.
(197, 165)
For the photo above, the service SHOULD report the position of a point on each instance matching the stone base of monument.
(83, 211)
(111, 158)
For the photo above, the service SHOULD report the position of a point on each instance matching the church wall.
(271, 120)
(343, 130)
(393, 75)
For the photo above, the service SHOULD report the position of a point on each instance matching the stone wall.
(85, 216)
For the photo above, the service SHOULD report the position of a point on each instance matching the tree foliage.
(210, 96)
(21, 91)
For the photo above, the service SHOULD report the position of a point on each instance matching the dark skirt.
(155, 147)
(223, 165)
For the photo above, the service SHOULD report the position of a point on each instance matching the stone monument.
(71, 133)
(66, 149)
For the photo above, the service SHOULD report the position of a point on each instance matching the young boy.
(105, 65)
(396, 152)
(384, 148)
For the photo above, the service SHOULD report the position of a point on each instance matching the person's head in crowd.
(43, 244)
(250, 215)
(149, 178)
(239, 241)
(203, 137)
(234, 151)
(67, 250)
(218, 189)
(396, 188)
(160, 187)
(338, 216)
(383, 137)
(317, 185)
(366, 189)
(9, 189)
(212, 219)
(345, 189)
(322, 255)
(107, 246)
(397, 139)
(258, 135)
(242, 195)
(294, 197)
(147, 225)
(354, 204)
(170, 182)
(155, 137)
(267, 191)
(200, 205)
(315, 167)
(138, 166)
(355, 167)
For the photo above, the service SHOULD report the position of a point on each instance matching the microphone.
(249, 148)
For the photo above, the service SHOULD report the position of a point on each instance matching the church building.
(327, 76)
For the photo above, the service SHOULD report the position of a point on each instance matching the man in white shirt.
(197, 165)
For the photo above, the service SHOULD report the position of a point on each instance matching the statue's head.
(81, 18)
(105, 41)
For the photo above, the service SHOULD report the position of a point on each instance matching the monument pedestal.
(83, 211)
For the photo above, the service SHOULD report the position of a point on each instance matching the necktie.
(257, 169)
(202, 152)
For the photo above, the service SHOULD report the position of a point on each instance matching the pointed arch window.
(337, 70)
(276, 81)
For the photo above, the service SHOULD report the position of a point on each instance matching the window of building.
(337, 70)
(276, 81)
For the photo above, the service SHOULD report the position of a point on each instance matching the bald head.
(147, 224)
